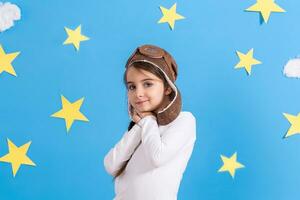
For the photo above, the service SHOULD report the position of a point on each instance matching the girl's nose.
(139, 92)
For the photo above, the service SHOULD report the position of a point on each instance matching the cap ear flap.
(174, 67)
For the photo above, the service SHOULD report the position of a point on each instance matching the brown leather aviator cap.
(158, 57)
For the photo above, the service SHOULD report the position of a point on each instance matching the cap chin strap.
(166, 76)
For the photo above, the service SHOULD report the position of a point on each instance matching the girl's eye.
(148, 84)
(132, 87)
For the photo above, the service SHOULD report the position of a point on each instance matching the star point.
(70, 112)
(6, 60)
(230, 164)
(265, 7)
(17, 156)
(170, 16)
(75, 37)
(246, 61)
(295, 124)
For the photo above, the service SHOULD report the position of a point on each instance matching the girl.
(149, 160)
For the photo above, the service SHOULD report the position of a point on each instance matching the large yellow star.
(17, 156)
(265, 7)
(170, 16)
(70, 112)
(6, 60)
(75, 37)
(295, 124)
(230, 164)
(246, 61)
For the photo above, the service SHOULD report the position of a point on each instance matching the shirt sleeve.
(162, 149)
(122, 151)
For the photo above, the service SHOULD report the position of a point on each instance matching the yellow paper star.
(170, 16)
(295, 124)
(17, 156)
(246, 61)
(6, 60)
(75, 37)
(265, 7)
(70, 112)
(230, 164)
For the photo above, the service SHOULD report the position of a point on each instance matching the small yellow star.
(75, 37)
(17, 156)
(295, 124)
(230, 164)
(246, 61)
(170, 16)
(265, 7)
(6, 60)
(70, 112)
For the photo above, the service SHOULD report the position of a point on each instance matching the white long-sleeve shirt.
(156, 167)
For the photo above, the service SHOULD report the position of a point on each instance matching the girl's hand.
(137, 116)
(144, 114)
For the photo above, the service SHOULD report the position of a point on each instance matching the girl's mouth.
(141, 102)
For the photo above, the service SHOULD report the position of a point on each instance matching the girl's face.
(145, 90)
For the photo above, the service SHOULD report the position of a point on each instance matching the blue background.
(234, 112)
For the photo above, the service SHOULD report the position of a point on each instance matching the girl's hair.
(154, 70)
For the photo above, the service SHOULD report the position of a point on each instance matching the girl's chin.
(144, 109)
